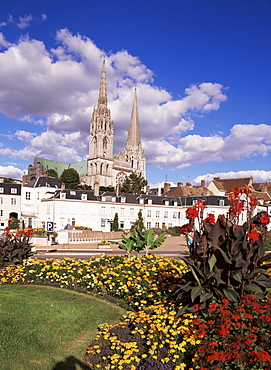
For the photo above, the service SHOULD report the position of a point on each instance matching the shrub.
(225, 260)
(15, 247)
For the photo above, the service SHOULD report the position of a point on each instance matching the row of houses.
(44, 200)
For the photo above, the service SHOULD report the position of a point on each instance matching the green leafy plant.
(15, 246)
(138, 241)
(225, 260)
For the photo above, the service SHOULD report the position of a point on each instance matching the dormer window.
(1, 190)
(166, 202)
(141, 200)
(123, 199)
(149, 201)
(62, 195)
(72, 192)
(84, 197)
(175, 204)
(13, 191)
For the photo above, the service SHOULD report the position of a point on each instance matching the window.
(166, 214)
(103, 210)
(175, 204)
(84, 197)
(157, 214)
(62, 195)
(48, 208)
(123, 199)
(141, 200)
(148, 213)
(1, 200)
(72, 192)
(132, 212)
(221, 202)
(62, 208)
(1, 213)
(27, 195)
(38, 195)
(194, 202)
(112, 211)
(166, 203)
(102, 223)
(170, 224)
(174, 214)
(122, 211)
(148, 225)
(149, 201)
(13, 191)
(156, 224)
(1, 190)
(13, 201)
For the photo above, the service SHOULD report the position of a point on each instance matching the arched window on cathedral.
(107, 169)
(95, 146)
(105, 142)
(101, 169)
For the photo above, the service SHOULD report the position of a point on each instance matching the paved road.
(173, 247)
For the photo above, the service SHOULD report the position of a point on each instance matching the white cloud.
(24, 22)
(58, 89)
(11, 171)
(258, 176)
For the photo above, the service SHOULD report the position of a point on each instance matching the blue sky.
(202, 71)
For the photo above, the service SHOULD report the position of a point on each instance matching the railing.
(87, 235)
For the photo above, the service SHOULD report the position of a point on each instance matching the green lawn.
(48, 328)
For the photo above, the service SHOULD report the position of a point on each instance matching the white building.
(10, 203)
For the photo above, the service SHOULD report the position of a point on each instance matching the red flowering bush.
(234, 336)
(225, 260)
(15, 246)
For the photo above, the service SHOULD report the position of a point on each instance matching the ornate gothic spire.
(102, 100)
(133, 138)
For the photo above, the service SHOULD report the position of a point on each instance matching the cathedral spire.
(102, 100)
(133, 138)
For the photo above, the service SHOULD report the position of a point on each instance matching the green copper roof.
(81, 167)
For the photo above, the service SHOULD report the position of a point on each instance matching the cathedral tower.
(100, 160)
(133, 153)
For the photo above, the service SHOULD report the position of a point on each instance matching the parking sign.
(50, 226)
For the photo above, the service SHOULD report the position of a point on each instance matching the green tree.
(140, 221)
(52, 173)
(71, 179)
(134, 184)
(115, 224)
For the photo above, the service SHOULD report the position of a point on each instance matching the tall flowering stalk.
(225, 259)
(15, 246)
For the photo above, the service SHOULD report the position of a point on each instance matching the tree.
(115, 224)
(139, 222)
(133, 184)
(71, 179)
(52, 173)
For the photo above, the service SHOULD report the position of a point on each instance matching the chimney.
(188, 184)
(166, 187)
(179, 184)
(202, 183)
(62, 185)
(96, 189)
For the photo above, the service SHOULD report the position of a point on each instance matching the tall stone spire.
(102, 100)
(134, 138)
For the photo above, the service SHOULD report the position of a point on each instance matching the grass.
(47, 328)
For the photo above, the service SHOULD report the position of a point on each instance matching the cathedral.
(102, 166)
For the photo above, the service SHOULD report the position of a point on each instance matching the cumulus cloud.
(58, 89)
(11, 171)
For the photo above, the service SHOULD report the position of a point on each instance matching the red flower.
(191, 213)
(185, 229)
(210, 218)
(253, 202)
(7, 229)
(220, 217)
(253, 235)
(265, 218)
